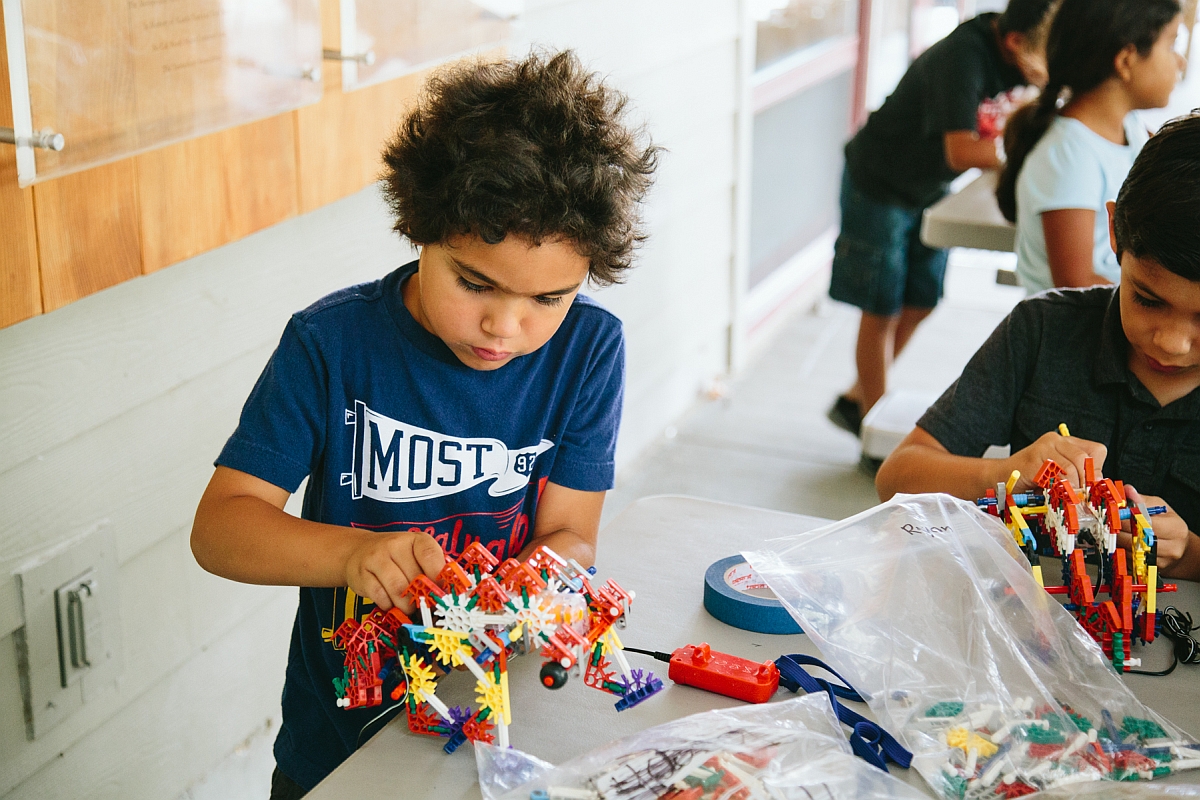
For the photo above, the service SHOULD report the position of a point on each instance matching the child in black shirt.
(1120, 365)
(901, 162)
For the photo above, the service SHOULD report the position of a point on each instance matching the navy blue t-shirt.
(395, 433)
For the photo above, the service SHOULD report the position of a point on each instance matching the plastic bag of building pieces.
(1121, 791)
(772, 751)
(927, 606)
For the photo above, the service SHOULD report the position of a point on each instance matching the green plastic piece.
(955, 786)
(1144, 728)
(1083, 723)
(709, 782)
(1039, 735)
(945, 709)
(1161, 771)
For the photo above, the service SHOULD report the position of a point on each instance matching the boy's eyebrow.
(479, 276)
(1144, 289)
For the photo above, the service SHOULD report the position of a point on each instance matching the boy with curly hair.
(469, 396)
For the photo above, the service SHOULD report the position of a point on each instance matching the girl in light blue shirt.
(1069, 151)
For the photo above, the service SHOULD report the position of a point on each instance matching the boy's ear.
(1112, 227)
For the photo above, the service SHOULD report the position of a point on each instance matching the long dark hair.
(1085, 38)
(1158, 209)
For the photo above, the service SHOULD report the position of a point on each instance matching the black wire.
(1176, 626)
(653, 653)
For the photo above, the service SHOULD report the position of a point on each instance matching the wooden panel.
(340, 138)
(206, 192)
(20, 295)
(87, 230)
(117, 77)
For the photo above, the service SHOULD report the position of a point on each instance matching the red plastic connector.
(739, 678)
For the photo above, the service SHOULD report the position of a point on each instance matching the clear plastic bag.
(1121, 791)
(760, 752)
(928, 608)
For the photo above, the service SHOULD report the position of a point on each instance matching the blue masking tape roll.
(728, 587)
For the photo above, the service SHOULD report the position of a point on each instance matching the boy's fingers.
(394, 578)
(373, 590)
(428, 555)
(1077, 451)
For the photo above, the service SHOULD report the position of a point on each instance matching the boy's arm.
(965, 150)
(922, 464)
(241, 532)
(568, 522)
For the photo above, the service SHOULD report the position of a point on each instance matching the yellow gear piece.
(492, 696)
(451, 647)
(422, 680)
(966, 741)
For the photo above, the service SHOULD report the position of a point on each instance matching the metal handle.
(366, 59)
(76, 624)
(45, 139)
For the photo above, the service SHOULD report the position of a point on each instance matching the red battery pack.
(739, 678)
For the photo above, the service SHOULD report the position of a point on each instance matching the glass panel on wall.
(100, 80)
(797, 172)
(390, 38)
(888, 58)
(931, 21)
(786, 27)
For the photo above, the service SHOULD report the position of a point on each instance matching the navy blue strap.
(868, 740)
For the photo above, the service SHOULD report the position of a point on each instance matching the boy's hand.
(1067, 451)
(384, 565)
(1170, 531)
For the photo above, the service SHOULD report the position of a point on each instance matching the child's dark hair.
(536, 148)
(1085, 38)
(1025, 16)
(1158, 209)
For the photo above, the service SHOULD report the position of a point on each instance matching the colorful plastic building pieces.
(1021, 749)
(1080, 527)
(476, 616)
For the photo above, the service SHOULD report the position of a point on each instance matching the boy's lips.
(1165, 369)
(490, 355)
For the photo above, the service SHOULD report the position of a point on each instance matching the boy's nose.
(503, 322)
(1176, 340)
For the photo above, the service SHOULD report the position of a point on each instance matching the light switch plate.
(53, 684)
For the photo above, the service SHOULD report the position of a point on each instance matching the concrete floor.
(768, 443)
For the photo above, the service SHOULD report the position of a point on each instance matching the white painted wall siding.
(678, 62)
(114, 407)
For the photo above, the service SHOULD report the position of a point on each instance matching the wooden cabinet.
(72, 236)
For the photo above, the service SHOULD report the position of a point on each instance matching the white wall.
(114, 407)
(678, 62)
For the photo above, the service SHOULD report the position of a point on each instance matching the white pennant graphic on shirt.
(400, 463)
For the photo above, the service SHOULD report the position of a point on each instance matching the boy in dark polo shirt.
(901, 162)
(1120, 365)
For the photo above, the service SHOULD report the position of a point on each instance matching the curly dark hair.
(536, 148)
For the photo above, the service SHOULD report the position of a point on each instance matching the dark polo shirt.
(1062, 356)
